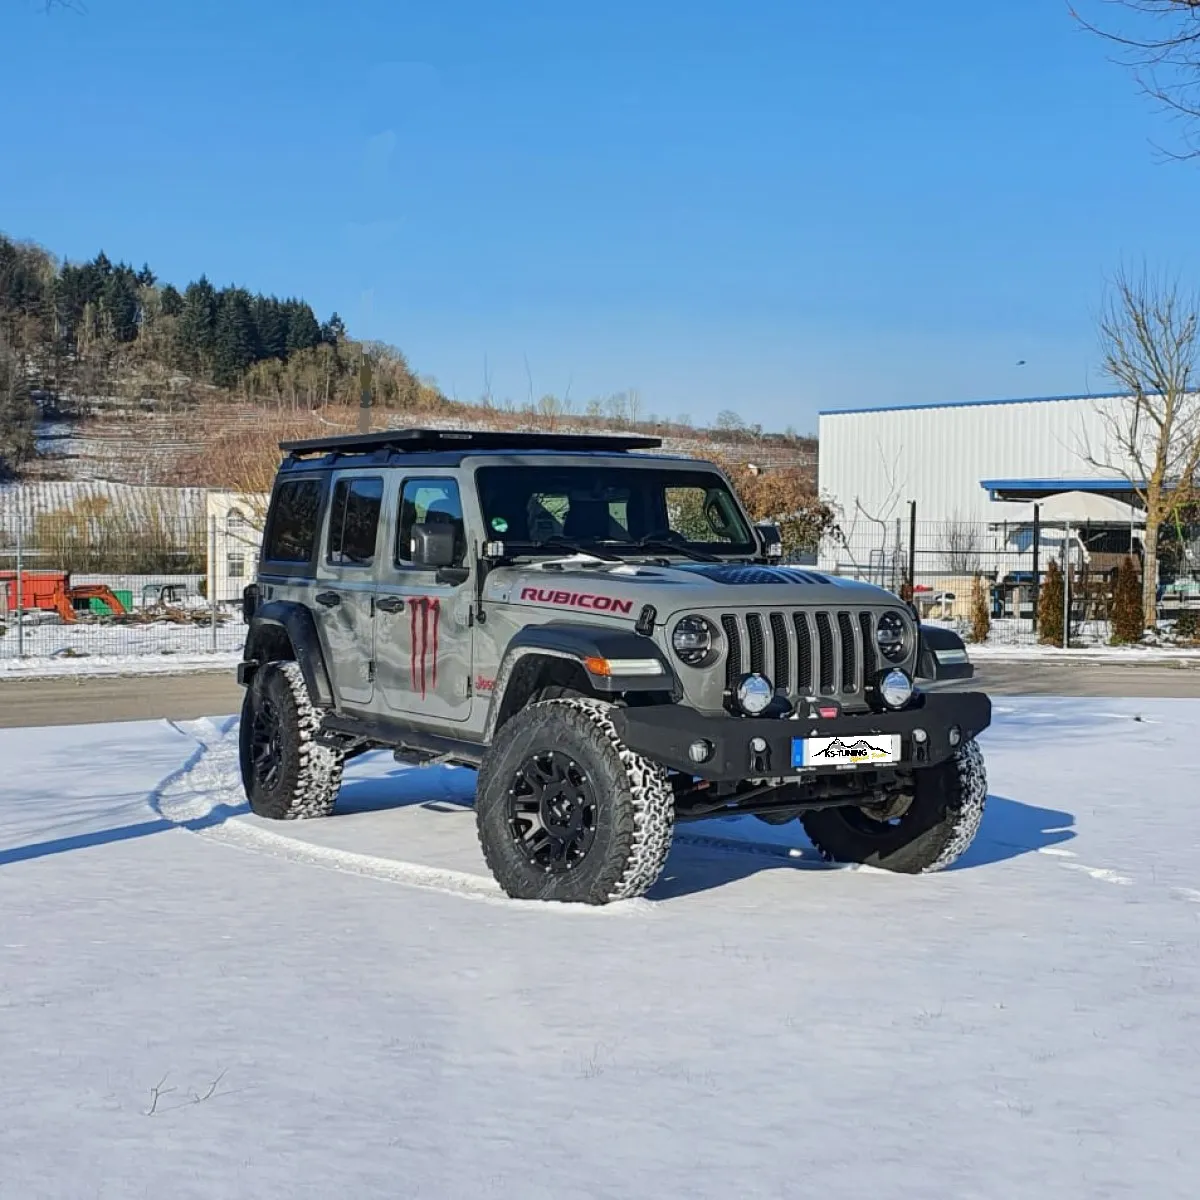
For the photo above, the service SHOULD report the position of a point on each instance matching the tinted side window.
(354, 522)
(429, 500)
(295, 515)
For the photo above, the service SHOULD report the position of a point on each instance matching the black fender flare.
(297, 622)
(942, 655)
(582, 645)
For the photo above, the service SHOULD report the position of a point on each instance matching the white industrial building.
(970, 461)
(974, 471)
(234, 529)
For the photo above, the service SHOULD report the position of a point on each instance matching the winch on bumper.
(726, 748)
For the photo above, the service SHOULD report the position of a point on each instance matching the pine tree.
(18, 437)
(198, 325)
(120, 304)
(234, 344)
(303, 332)
(333, 331)
(171, 301)
(981, 615)
(1050, 606)
(1127, 627)
(271, 327)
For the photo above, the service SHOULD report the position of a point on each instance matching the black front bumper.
(663, 734)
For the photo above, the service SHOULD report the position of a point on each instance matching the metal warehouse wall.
(937, 455)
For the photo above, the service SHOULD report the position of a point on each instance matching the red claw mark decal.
(425, 614)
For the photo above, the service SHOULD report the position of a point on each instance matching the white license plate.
(867, 750)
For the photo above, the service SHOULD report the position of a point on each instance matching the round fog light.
(919, 736)
(700, 751)
(955, 735)
(895, 689)
(754, 694)
(758, 745)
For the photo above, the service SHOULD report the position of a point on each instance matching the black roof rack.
(414, 440)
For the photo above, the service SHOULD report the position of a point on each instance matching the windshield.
(617, 509)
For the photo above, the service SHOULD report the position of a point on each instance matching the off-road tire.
(635, 810)
(942, 821)
(308, 776)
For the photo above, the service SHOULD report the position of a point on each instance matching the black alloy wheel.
(266, 746)
(552, 811)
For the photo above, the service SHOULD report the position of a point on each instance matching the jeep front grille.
(806, 652)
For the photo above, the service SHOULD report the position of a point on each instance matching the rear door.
(423, 617)
(344, 595)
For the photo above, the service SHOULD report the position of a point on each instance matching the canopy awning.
(1077, 508)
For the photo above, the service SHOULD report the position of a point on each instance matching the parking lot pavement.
(1085, 679)
(78, 700)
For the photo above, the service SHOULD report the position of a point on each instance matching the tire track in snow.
(205, 797)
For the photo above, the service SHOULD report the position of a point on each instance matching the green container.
(98, 606)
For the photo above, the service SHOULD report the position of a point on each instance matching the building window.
(235, 520)
(236, 566)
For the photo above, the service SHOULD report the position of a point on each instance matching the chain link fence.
(938, 564)
(110, 571)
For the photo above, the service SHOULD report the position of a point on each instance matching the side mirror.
(769, 538)
(433, 545)
(942, 656)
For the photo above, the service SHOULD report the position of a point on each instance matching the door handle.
(329, 599)
(390, 604)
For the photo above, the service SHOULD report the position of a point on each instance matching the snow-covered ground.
(194, 1003)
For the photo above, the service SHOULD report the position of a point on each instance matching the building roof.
(1032, 489)
(847, 412)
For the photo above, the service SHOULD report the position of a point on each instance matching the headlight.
(754, 694)
(891, 636)
(693, 640)
(895, 689)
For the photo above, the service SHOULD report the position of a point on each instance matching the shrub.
(1050, 606)
(1187, 626)
(1127, 627)
(981, 614)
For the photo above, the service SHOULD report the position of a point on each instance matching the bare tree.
(1160, 41)
(961, 548)
(1150, 333)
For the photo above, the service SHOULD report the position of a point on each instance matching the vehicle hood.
(621, 589)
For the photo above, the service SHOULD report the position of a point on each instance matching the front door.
(344, 595)
(423, 617)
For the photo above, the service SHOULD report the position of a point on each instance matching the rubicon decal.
(425, 614)
(577, 600)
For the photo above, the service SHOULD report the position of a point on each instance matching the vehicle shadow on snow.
(1012, 828)
(439, 789)
(703, 860)
(712, 854)
(83, 841)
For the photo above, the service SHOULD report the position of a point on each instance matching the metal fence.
(106, 571)
(937, 565)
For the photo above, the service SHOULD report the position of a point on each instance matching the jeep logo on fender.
(577, 600)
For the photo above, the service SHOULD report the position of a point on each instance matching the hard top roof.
(410, 441)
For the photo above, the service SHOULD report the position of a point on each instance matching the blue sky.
(775, 207)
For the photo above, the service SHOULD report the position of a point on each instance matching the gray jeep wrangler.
(606, 637)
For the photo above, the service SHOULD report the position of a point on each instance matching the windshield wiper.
(671, 546)
(561, 543)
